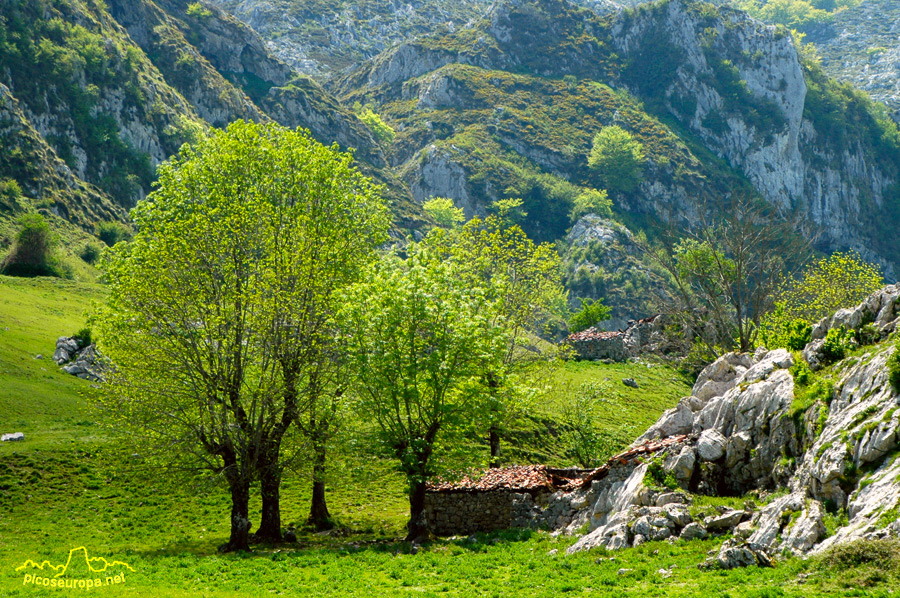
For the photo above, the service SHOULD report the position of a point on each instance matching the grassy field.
(69, 485)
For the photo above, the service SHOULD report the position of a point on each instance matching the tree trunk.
(416, 527)
(495, 446)
(319, 517)
(270, 491)
(240, 515)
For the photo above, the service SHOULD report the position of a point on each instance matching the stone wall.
(599, 345)
(455, 513)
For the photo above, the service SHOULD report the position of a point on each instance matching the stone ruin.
(532, 496)
(640, 336)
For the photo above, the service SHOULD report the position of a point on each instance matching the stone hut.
(640, 336)
(531, 496)
(501, 498)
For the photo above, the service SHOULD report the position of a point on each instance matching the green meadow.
(70, 484)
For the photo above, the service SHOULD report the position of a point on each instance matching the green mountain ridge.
(487, 100)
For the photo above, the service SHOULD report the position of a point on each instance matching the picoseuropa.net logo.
(80, 571)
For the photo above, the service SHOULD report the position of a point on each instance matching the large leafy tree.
(617, 157)
(226, 297)
(420, 338)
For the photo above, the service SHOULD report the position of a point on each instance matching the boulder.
(675, 421)
(681, 465)
(813, 353)
(733, 555)
(630, 382)
(724, 521)
(66, 347)
(14, 437)
(693, 531)
(711, 446)
(721, 375)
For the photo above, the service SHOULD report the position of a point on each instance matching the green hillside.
(68, 485)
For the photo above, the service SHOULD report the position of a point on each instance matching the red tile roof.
(525, 478)
(592, 334)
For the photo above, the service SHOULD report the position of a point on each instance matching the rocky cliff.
(730, 102)
(818, 451)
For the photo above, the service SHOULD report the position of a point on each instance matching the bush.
(837, 342)
(83, 336)
(32, 253)
(840, 281)
(444, 212)
(111, 232)
(591, 313)
(382, 131)
(893, 366)
(10, 193)
(617, 156)
(882, 553)
(90, 253)
(591, 201)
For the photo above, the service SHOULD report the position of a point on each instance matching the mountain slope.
(733, 103)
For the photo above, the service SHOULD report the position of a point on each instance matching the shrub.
(198, 11)
(837, 341)
(591, 201)
(90, 253)
(10, 192)
(893, 366)
(111, 232)
(840, 281)
(881, 553)
(444, 212)
(83, 336)
(617, 156)
(591, 313)
(382, 131)
(32, 252)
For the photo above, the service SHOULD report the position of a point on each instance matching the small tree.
(591, 201)
(617, 157)
(32, 251)
(111, 232)
(444, 212)
(420, 340)
(591, 313)
(523, 279)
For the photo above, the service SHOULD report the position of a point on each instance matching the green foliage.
(509, 211)
(198, 11)
(658, 477)
(90, 253)
(420, 340)
(591, 201)
(112, 232)
(591, 313)
(10, 194)
(837, 342)
(893, 366)
(444, 212)
(382, 131)
(839, 281)
(617, 157)
(33, 251)
(794, 13)
(84, 336)
(589, 445)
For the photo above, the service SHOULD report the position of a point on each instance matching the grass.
(70, 484)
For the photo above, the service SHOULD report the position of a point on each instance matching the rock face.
(859, 45)
(835, 456)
